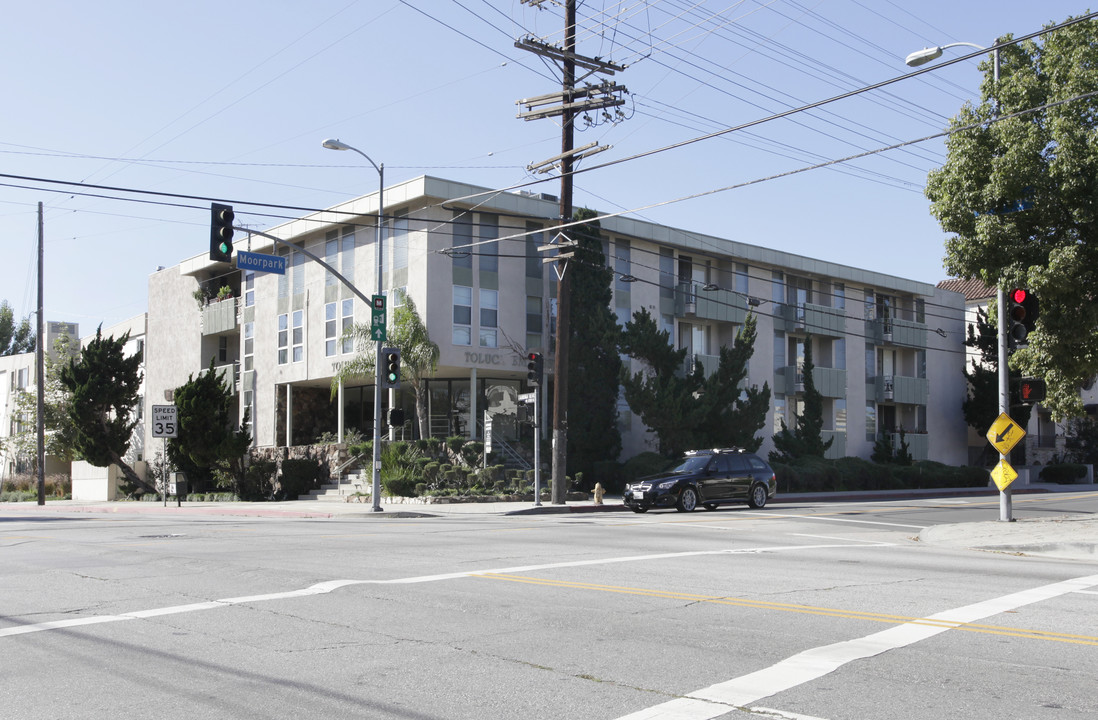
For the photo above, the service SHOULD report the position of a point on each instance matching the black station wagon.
(708, 478)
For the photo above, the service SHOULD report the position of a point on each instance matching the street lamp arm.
(921, 57)
(336, 144)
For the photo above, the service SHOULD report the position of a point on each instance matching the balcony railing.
(830, 382)
(691, 300)
(814, 319)
(901, 389)
(230, 375)
(918, 444)
(219, 317)
(890, 331)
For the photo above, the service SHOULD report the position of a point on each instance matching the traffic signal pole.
(1005, 504)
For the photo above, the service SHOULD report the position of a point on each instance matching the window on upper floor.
(463, 239)
(489, 318)
(488, 252)
(283, 339)
(463, 315)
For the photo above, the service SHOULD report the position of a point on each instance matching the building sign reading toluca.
(491, 359)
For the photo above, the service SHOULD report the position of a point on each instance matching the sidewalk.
(1074, 537)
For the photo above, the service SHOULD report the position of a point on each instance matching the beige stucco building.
(888, 350)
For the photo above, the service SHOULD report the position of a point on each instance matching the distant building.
(887, 350)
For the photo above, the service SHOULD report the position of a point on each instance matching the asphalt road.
(811, 610)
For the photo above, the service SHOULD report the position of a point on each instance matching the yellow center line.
(803, 609)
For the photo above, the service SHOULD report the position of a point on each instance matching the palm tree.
(418, 355)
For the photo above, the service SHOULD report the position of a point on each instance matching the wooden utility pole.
(572, 103)
(40, 354)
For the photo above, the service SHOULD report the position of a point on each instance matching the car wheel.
(688, 500)
(758, 496)
(638, 508)
(709, 506)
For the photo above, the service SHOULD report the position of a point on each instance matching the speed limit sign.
(165, 421)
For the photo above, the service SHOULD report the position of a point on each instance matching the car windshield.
(692, 464)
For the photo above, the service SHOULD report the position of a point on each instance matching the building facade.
(887, 350)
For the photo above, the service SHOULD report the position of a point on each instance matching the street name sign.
(1004, 433)
(528, 397)
(165, 421)
(261, 263)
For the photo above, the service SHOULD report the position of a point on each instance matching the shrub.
(299, 476)
(648, 463)
(1065, 473)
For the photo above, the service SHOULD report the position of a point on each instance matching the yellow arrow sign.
(1003, 475)
(1004, 433)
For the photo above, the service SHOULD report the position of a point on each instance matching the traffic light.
(1022, 312)
(1029, 390)
(533, 368)
(221, 232)
(390, 368)
(396, 417)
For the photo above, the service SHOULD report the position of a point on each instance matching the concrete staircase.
(342, 491)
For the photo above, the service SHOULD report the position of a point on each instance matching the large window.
(463, 315)
(741, 278)
(489, 318)
(463, 238)
(249, 346)
(249, 288)
(331, 329)
(870, 421)
(533, 257)
(298, 337)
(489, 251)
(400, 241)
(667, 272)
(283, 339)
(347, 321)
(622, 263)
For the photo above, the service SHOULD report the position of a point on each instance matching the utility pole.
(41, 363)
(572, 103)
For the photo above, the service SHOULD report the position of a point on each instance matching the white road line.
(741, 692)
(330, 585)
(835, 519)
(828, 537)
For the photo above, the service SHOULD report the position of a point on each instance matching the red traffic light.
(1018, 295)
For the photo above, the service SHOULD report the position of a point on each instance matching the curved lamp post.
(915, 59)
(335, 144)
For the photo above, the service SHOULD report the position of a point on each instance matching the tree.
(594, 366)
(658, 393)
(104, 384)
(806, 438)
(1018, 193)
(981, 405)
(14, 339)
(418, 355)
(208, 438)
(731, 415)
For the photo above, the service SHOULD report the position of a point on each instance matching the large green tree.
(15, 337)
(208, 437)
(594, 366)
(1019, 192)
(687, 411)
(104, 384)
(731, 415)
(419, 355)
(805, 439)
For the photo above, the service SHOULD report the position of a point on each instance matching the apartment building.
(469, 259)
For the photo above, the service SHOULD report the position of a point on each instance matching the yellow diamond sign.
(1003, 475)
(1004, 433)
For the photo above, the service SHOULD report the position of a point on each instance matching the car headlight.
(667, 484)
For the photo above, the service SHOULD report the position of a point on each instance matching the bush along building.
(887, 351)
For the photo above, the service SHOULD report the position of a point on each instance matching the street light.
(335, 144)
(915, 59)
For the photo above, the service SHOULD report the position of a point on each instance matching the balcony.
(219, 317)
(918, 444)
(901, 390)
(230, 375)
(838, 447)
(830, 382)
(719, 305)
(890, 331)
(814, 319)
(709, 363)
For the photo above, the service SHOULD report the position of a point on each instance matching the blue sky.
(231, 100)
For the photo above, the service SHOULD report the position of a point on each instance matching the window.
(777, 287)
(489, 317)
(400, 240)
(331, 330)
(283, 339)
(347, 254)
(741, 278)
(920, 364)
(840, 414)
(463, 315)
(463, 238)
(298, 287)
(840, 354)
(870, 362)
(667, 272)
(284, 278)
(779, 350)
(870, 421)
(839, 291)
(347, 321)
(533, 315)
(534, 264)
(920, 310)
(331, 253)
(622, 263)
(779, 412)
(249, 288)
(249, 346)
(298, 348)
(489, 251)
(223, 348)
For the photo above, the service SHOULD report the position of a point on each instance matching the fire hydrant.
(599, 492)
